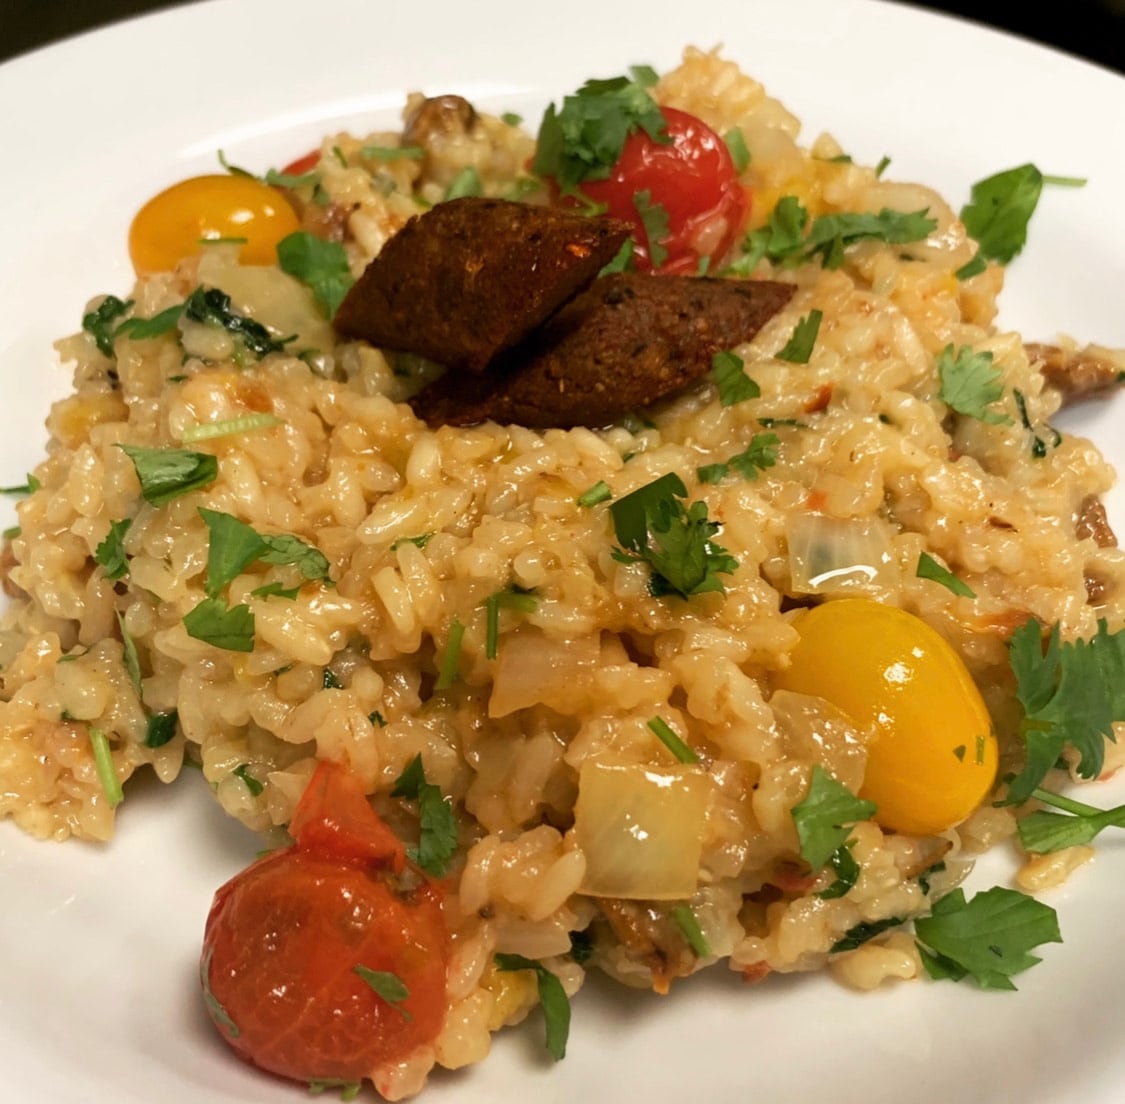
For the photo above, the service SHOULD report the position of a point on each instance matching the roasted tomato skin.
(284, 939)
(692, 177)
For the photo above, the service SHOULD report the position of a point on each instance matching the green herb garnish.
(799, 347)
(653, 527)
(438, 826)
(388, 986)
(167, 473)
(987, 938)
(552, 999)
(668, 737)
(759, 455)
(825, 816)
(110, 553)
(229, 427)
(734, 385)
(212, 307)
(685, 919)
(594, 495)
(735, 142)
(322, 265)
(160, 728)
(103, 764)
(929, 568)
(654, 219)
(252, 784)
(230, 628)
(513, 598)
(847, 872)
(970, 384)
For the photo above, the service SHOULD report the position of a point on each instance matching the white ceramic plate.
(98, 996)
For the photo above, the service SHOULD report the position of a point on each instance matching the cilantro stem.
(452, 655)
(1065, 181)
(1067, 804)
(671, 741)
(103, 762)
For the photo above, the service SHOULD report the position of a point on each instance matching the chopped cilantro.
(884, 163)
(799, 347)
(418, 542)
(513, 598)
(669, 738)
(145, 329)
(212, 307)
(595, 494)
(388, 986)
(451, 657)
(760, 454)
(377, 718)
(654, 219)
(103, 764)
(999, 210)
(511, 118)
(131, 659)
(166, 473)
(622, 260)
(330, 680)
(348, 1090)
(392, 153)
(1071, 693)
(734, 385)
(437, 824)
(100, 323)
(275, 590)
(987, 938)
(229, 427)
(110, 553)
(969, 384)
(685, 919)
(583, 139)
(653, 527)
(823, 818)
(864, 933)
(466, 183)
(230, 628)
(1038, 444)
(160, 728)
(552, 998)
(929, 568)
(644, 75)
(322, 265)
(234, 545)
(582, 946)
(29, 487)
(252, 784)
(847, 873)
(735, 142)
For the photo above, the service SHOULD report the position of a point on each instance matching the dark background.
(1092, 29)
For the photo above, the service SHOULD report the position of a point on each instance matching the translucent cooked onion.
(532, 669)
(641, 829)
(829, 554)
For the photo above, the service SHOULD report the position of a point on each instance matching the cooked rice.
(351, 470)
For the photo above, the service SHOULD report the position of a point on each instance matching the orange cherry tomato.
(171, 225)
(317, 964)
(692, 177)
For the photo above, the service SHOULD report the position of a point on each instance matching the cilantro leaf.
(145, 329)
(322, 265)
(166, 473)
(1071, 693)
(929, 568)
(161, 727)
(622, 260)
(759, 455)
(388, 986)
(999, 210)
(847, 873)
(824, 817)
(653, 527)
(831, 235)
(438, 839)
(734, 385)
(212, 307)
(110, 553)
(29, 487)
(466, 183)
(230, 628)
(863, 933)
(735, 142)
(654, 219)
(799, 347)
(779, 240)
(242, 771)
(234, 546)
(583, 139)
(100, 322)
(1042, 832)
(552, 999)
(987, 938)
(969, 384)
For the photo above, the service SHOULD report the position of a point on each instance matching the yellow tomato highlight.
(933, 756)
(172, 225)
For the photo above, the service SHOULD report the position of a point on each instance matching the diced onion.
(641, 829)
(829, 554)
(533, 669)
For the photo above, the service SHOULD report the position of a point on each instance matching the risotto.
(627, 691)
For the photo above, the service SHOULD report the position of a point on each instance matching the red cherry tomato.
(317, 964)
(693, 178)
(302, 165)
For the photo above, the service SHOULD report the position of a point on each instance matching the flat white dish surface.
(99, 1002)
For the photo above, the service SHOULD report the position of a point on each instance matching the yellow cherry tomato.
(171, 225)
(933, 756)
